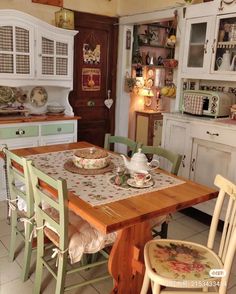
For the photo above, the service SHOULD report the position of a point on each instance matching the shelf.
(196, 44)
(155, 66)
(157, 46)
(159, 26)
(227, 45)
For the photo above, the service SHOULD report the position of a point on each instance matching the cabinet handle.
(205, 46)
(20, 132)
(59, 129)
(192, 165)
(183, 161)
(212, 134)
(213, 46)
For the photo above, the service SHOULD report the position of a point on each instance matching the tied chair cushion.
(182, 261)
(83, 238)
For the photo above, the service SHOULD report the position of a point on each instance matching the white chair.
(181, 264)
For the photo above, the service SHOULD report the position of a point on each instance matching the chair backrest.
(19, 181)
(121, 140)
(52, 193)
(227, 195)
(173, 158)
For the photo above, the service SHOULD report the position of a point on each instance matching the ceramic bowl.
(89, 163)
(89, 160)
(55, 108)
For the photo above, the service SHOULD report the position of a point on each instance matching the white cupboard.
(207, 149)
(34, 52)
(23, 135)
(209, 42)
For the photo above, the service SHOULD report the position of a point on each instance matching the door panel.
(88, 95)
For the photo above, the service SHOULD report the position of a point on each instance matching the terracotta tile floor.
(182, 227)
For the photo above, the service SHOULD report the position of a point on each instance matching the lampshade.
(64, 18)
(146, 92)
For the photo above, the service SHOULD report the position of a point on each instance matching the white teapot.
(139, 162)
(223, 63)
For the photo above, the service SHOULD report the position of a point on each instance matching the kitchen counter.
(35, 118)
(224, 122)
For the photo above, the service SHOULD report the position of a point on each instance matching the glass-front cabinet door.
(224, 57)
(53, 56)
(198, 45)
(16, 50)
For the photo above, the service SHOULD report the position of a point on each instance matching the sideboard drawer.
(19, 132)
(56, 129)
(213, 133)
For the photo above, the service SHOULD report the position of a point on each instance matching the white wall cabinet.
(25, 135)
(207, 150)
(198, 45)
(33, 51)
(208, 39)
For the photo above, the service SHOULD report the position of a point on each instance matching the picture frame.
(154, 35)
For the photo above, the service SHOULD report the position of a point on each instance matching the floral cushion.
(180, 260)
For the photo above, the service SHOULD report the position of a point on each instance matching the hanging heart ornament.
(108, 103)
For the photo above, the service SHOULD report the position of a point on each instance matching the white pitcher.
(223, 63)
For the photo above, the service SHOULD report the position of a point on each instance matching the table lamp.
(148, 95)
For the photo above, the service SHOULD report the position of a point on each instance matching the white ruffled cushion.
(83, 238)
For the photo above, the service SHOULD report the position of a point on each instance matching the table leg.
(126, 262)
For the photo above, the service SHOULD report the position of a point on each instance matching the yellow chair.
(181, 264)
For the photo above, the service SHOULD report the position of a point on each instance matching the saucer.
(131, 182)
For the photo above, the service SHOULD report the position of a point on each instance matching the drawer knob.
(59, 129)
(20, 132)
(212, 134)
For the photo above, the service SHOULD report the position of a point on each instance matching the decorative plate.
(38, 96)
(131, 182)
(20, 95)
(6, 95)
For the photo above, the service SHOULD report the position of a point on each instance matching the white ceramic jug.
(223, 63)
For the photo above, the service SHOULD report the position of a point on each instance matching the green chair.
(19, 186)
(175, 160)
(55, 223)
(131, 144)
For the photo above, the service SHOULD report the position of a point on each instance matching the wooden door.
(95, 60)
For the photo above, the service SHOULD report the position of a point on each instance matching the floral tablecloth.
(96, 189)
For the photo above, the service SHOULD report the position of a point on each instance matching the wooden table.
(131, 217)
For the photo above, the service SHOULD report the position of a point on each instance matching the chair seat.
(83, 238)
(181, 262)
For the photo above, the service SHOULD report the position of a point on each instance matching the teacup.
(141, 179)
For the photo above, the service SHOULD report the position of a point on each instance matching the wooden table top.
(120, 214)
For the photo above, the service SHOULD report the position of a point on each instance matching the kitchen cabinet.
(23, 135)
(33, 52)
(207, 148)
(175, 137)
(148, 128)
(198, 45)
(210, 43)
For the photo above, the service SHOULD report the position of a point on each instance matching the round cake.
(91, 158)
